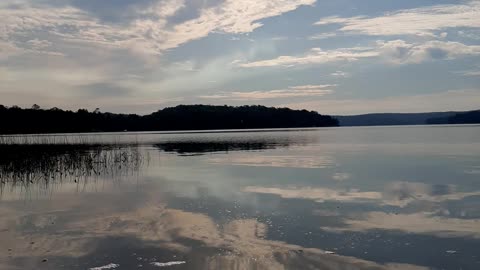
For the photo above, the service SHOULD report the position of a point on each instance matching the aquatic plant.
(42, 161)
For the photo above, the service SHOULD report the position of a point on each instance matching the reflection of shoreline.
(200, 144)
(199, 147)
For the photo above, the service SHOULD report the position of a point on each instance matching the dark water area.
(329, 198)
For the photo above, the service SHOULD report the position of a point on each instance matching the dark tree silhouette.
(183, 117)
(472, 117)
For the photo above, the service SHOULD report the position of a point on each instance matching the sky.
(336, 57)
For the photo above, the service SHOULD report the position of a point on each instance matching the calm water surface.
(333, 198)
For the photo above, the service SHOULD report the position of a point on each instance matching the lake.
(330, 198)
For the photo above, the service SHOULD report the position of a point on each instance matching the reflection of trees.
(200, 147)
(22, 166)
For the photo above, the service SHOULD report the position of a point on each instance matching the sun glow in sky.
(332, 56)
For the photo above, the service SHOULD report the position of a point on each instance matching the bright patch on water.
(108, 266)
(158, 264)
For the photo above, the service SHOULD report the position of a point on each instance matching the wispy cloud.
(419, 21)
(290, 92)
(470, 34)
(471, 72)
(147, 34)
(281, 38)
(394, 51)
(323, 35)
(315, 56)
(340, 74)
(401, 52)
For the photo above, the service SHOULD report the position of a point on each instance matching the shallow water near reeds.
(330, 198)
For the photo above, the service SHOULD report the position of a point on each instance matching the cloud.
(240, 16)
(7, 49)
(145, 34)
(323, 36)
(471, 72)
(422, 21)
(401, 52)
(74, 76)
(340, 74)
(280, 38)
(470, 34)
(232, 17)
(290, 92)
(38, 44)
(316, 56)
(394, 51)
(31, 32)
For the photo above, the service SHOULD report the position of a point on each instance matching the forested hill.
(15, 120)
(392, 119)
(472, 117)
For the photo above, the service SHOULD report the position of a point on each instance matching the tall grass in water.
(46, 162)
(78, 139)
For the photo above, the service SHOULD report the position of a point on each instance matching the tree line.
(471, 117)
(16, 120)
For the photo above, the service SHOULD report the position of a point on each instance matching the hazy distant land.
(395, 119)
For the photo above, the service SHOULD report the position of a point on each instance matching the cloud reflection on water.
(280, 161)
(396, 194)
(72, 231)
(421, 223)
(399, 194)
(250, 206)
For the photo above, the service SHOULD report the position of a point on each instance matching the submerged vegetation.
(16, 120)
(39, 163)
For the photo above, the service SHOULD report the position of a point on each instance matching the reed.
(65, 139)
(27, 161)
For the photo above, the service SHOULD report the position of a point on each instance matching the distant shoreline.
(402, 119)
(225, 131)
(197, 119)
